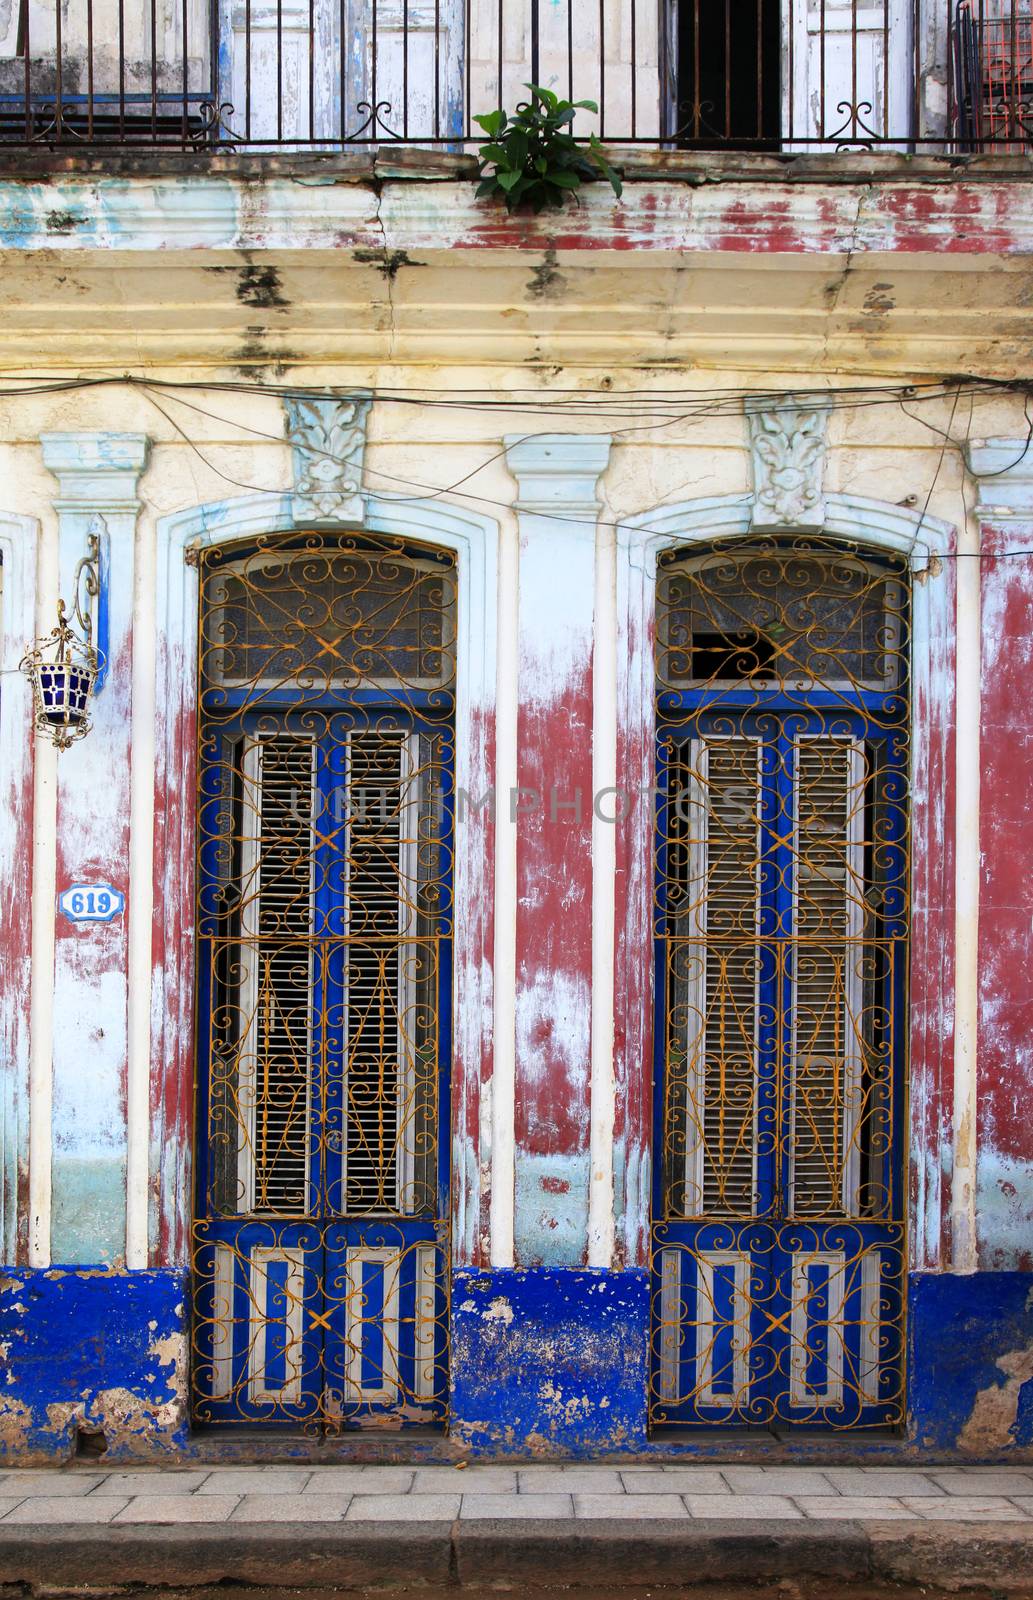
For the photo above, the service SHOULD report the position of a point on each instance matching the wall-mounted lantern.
(63, 668)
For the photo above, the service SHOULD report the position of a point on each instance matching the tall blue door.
(324, 922)
(781, 981)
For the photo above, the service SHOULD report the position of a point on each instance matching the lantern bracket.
(65, 668)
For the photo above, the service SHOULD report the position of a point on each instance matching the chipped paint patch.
(994, 1422)
(100, 1351)
(552, 1207)
(1004, 1207)
(971, 1378)
(550, 1363)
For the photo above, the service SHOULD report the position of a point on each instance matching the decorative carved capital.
(558, 473)
(329, 440)
(1003, 473)
(788, 441)
(96, 470)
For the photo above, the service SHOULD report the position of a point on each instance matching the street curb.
(656, 1551)
(284, 1554)
(996, 1555)
(610, 1553)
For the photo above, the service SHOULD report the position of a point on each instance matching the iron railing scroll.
(792, 76)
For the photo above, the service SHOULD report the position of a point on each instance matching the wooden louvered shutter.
(275, 975)
(827, 961)
(719, 970)
(390, 1041)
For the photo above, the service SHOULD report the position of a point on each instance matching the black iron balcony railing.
(748, 75)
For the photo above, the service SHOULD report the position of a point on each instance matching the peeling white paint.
(601, 1227)
(964, 1247)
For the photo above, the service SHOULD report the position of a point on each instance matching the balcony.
(765, 76)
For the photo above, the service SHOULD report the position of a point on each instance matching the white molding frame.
(19, 541)
(474, 539)
(641, 539)
(563, 552)
(99, 472)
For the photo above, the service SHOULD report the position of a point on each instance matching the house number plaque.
(91, 902)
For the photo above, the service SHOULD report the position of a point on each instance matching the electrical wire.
(693, 405)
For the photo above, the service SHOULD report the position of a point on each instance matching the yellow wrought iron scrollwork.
(324, 923)
(782, 920)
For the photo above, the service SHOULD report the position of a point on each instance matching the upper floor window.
(345, 614)
(769, 615)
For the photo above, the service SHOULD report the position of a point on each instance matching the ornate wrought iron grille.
(324, 918)
(781, 929)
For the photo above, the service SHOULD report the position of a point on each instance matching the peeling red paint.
(554, 931)
(931, 996)
(633, 1031)
(472, 1058)
(172, 1043)
(1004, 1130)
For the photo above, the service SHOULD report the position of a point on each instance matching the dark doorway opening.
(729, 80)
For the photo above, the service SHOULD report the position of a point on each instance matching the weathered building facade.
(530, 957)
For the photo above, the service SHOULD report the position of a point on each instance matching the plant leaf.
(492, 122)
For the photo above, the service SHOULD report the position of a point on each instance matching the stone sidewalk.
(348, 1525)
(445, 1493)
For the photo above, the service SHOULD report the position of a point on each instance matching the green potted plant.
(533, 159)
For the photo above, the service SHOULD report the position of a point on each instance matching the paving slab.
(351, 1480)
(676, 1480)
(741, 1507)
(529, 1507)
(467, 1480)
(292, 1508)
(187, 1509)
(628, 1507)
(155, 1482)
(404, 1508)
(45, 1510)
(256, 1480)
(964, 1508)
(52, 1481)
(776, 1480)
(880, 1481)
(875, 1508)
(984, 1481)
(570, 1480)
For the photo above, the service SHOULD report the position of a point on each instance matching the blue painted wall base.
(551, 1362)
(971, 1378)
(93, 1356)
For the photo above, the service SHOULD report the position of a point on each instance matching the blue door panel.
(776, 1320)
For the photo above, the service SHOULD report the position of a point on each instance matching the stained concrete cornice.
(325, 209)
(278, 272)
